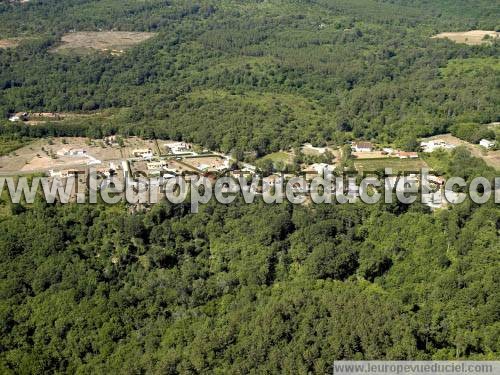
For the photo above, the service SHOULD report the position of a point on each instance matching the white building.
(431, 146)
(145, 153)
(362, 147)
(178, 147)
(486, 143)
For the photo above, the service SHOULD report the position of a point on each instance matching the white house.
(178, 147)
(431, 146)
(145, 153)
(362, 147)
(486, 143)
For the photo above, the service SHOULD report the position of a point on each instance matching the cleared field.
(473, 37)
(397, 165)
(114, 42)
(42, 155)
(492, 158)
(9, 43)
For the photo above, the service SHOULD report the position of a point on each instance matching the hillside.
(246, 288)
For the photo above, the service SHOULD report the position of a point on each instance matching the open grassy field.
(114, 42)
(397, 165)
(473, 37)
(281, 156)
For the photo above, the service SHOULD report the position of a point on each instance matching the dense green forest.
(259, 75)
(247, 288)
(250, 289)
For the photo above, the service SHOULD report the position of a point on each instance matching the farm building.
(362, 147)
(178, 147)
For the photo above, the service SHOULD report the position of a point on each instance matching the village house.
(65, 173)
(362, 147)
(431, 146)
(145, 153)
(178, 147)
(486, 143)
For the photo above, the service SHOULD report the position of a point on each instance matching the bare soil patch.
(370, 155)
(115, 42)
(9, 43)
(205, 162)
(473, 37)
(42, 155)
